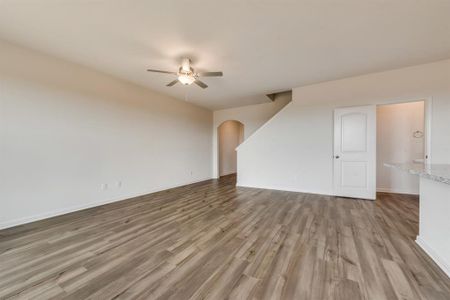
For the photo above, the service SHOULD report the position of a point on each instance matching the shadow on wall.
(229, 134)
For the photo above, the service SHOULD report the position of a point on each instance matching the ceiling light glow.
(186, 79)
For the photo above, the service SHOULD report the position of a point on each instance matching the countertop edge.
(427, 171)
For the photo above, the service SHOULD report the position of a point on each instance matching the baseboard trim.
(280, 188)
(396, 191)
(445, 267)
(71, 209)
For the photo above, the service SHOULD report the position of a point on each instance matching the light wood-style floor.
(213, 241)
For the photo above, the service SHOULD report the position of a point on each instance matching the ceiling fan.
(187, 75)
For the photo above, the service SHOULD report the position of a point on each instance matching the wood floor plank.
(211, 240)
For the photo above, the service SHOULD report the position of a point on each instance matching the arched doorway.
(229, 135)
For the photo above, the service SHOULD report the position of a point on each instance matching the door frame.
(428, 115)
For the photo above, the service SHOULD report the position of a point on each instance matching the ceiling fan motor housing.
(182, 71)
(186, 65)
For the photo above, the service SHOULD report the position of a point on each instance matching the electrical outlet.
(104, 186)
(119, 184)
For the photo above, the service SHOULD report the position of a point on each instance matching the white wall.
(396, 124)
(434, 223)
(251, 116)
(66, 130)
(230, 136)
(294, 150)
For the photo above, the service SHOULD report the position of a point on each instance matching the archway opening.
(230, 134)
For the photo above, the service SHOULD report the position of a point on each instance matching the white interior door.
(355, 152)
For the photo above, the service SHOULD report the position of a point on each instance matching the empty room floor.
(211, 240)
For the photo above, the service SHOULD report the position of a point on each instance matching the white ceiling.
(262, 46)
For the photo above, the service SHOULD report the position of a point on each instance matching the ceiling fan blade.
(201, 84)
(172, 83)
(160, 71)
(210, 74)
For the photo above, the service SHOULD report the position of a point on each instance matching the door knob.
(337, 156)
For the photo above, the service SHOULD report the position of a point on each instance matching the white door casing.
(355, 152)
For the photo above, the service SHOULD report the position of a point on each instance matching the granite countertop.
(439, 173)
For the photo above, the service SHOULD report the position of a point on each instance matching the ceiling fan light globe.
(186, 79)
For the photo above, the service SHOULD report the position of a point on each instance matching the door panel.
(354, 132)
(354, 174)
(355, 152)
